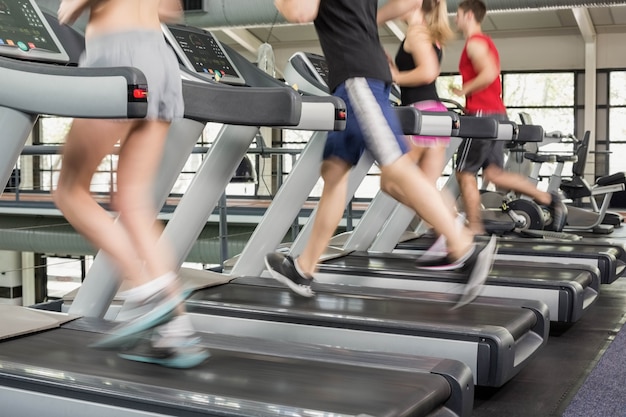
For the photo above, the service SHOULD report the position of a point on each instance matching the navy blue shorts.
(371, 124)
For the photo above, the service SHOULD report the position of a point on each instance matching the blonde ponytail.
(437, 22)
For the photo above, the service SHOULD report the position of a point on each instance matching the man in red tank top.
(480, 69)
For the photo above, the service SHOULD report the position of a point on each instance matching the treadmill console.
(200, 52)
(318, 64)
(309, 72)
(25, 33)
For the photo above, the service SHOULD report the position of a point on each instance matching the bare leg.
(430, 161)
(329, 211)
(406, 183)
(471, 201)
(516, 182)
(87, 143)
(139, 159)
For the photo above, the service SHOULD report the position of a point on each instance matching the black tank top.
(410, 95)
(348, 35)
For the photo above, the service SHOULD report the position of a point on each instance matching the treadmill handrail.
(37, 88)
(220, 103)
(478, 127)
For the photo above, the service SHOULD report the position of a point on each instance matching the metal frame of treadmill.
(72, 392)
(199, 200)
(80, 381)
(269, 233)
(84, 102)
(222, 159)
(385, 221)
(567, 298)
(292, 194)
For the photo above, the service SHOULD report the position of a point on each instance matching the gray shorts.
(147, 51)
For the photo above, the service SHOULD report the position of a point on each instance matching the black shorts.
(474, 154)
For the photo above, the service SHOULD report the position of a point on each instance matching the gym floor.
(551, 380)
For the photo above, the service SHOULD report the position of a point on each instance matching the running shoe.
(283, 268)
(184, 353)
(477, 268)
(558, 210)
(141, 315)
(439, 250)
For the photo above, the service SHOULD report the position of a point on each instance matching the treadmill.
(309, 71)
(45, 366)
(568, 291)
(606, 257)
(496, 341)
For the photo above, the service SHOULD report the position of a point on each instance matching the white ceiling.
(609, 19)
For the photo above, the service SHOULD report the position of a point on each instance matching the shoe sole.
(289, 283)
(484, 263)
(438, 250)
(179, 362)
(445, 267)
(127, 333)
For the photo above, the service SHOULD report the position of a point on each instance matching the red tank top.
(488, 100)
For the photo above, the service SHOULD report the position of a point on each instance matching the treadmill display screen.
(204, 54)
(24, 33)
(319, 63)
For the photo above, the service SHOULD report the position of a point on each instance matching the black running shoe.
(477, 268)
(558, 210)
(283, 269)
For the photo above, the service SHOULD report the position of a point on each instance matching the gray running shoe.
(141, 315)
(283, 269)
(477, 267)
(184, 353)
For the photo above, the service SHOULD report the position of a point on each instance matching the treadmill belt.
(345, 310)
(232, 382)
(502, 271)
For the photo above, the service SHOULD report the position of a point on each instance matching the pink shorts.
(430, 141)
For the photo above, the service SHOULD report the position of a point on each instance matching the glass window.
(617, 92)
(617, 162)
(551, 119)
(538, 89)
(617, 128)
(547, 97)
(445, 84)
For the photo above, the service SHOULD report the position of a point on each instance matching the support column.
(27, 271)
(11, 288)
(588, 32)
(265, 163)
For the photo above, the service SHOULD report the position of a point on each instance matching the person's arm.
(170, 11)
(70, 10)
(394, 9)
(419, 45)
(484, 64)
(298, 11)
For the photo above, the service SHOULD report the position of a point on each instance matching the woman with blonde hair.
(415, 69)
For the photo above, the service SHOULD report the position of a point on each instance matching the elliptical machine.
(596, 219)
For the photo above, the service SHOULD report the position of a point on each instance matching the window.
(547, 97)
(617, 115)
(445, 84)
